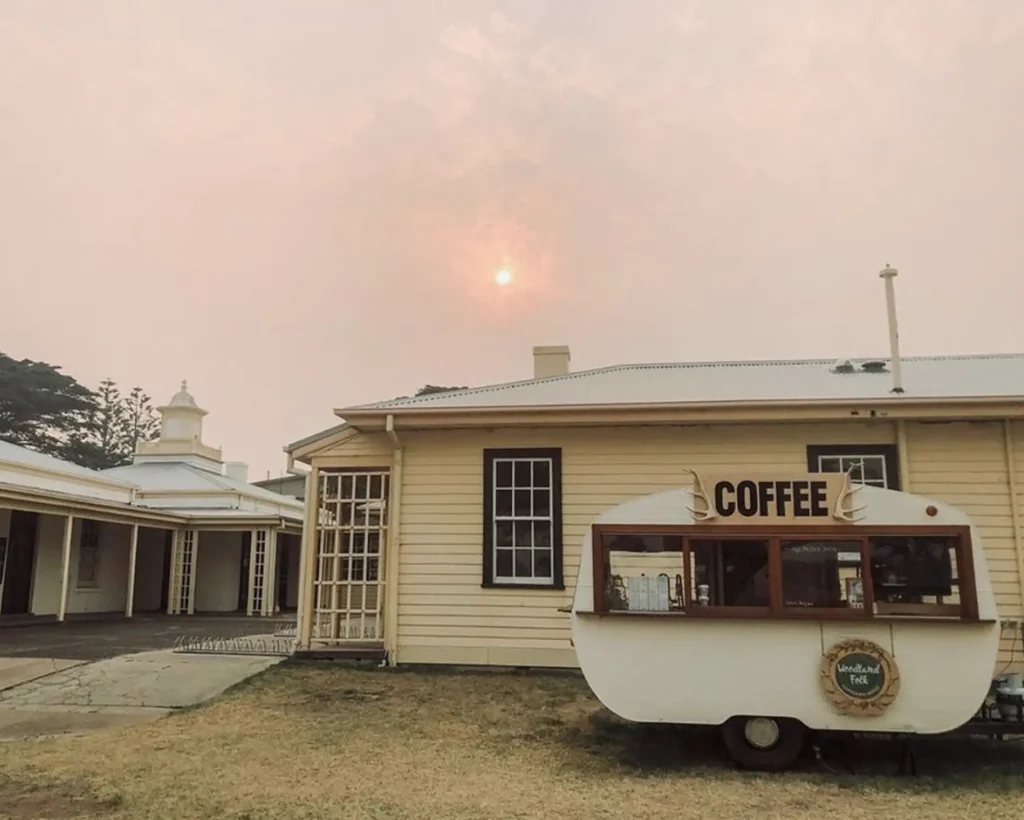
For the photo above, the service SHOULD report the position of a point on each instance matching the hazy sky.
(301, 205)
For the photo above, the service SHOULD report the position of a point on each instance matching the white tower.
(182, 418)
(181, 435)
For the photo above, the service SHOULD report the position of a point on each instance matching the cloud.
(324, 189)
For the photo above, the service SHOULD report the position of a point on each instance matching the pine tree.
(40, 407)
(139, 421)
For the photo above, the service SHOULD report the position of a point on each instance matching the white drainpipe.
(888, 274)
(391, 559)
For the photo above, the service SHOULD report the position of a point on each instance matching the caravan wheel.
(763, 743)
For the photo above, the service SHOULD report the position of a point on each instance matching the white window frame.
(847, 456)
(494, 461)
(848, 462)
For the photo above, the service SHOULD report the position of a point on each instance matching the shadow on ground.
(558, 710)
(850, 761)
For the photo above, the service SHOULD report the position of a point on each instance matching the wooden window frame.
(775, 535)
(554, 454)
(890, 452)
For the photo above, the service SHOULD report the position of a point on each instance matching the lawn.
(309, 741)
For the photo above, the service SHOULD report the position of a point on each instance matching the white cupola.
(181, 419)
(181, 435)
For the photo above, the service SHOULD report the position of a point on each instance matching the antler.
(848, 513)
(700, 492)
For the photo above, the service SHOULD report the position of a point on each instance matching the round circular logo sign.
(859, 678)
(859, 675)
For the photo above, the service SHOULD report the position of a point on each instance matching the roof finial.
(184, 384)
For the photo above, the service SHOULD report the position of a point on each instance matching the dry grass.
(339, 742)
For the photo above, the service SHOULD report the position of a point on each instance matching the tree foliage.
(430, 389)
(49, 411)
(40, 407)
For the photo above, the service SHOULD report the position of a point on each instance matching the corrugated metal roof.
(330, 431)
(17, 454)
(176, 476)
(802, 380)
(223, 514)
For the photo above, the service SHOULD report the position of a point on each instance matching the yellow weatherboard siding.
(964, 464)
(444, 616)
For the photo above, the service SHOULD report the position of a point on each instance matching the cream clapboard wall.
(964, 464)
(446, 617)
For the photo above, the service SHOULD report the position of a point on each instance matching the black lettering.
(819, 499)
(746, 498)
(801, 499)
(724, 508)
(783, 496)
(765, 495)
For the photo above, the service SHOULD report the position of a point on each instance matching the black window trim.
(490, 455)
(889, 451)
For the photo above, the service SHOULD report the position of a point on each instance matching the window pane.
(523, 474)
(522, 507)
(830, 464)
(541, 502)
(503, 534)
(730, 573)
(523, 533)
(345, 514)
(503, 563)
(644, 572)
(503, 503)
(330, 487)
(542, 473)
(524, 564)
(919, 572)
(542, 563)
(874, 470)
(855, 467)
(541, 533)
(502, 473)
(822, 574)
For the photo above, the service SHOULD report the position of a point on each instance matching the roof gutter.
(350, 413)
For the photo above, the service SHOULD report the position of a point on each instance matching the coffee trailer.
(773, 606)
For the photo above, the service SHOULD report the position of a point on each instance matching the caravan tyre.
(763, 743)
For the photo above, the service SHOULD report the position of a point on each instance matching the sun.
(503, 277)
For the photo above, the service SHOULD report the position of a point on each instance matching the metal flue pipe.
(889, 273)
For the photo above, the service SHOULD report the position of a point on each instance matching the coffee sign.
(770, 499)
(859, 678)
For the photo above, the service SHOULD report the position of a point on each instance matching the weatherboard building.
(177, 531)
(449, 528)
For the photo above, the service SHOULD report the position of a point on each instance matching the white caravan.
(774, 605)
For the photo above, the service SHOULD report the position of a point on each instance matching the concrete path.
(117, 691)
(15, 671)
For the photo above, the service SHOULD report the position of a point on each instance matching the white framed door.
(351, 536)
(181, 599)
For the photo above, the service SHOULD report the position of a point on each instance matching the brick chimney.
(550, 361)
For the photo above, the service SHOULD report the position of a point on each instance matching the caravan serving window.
(784, 572)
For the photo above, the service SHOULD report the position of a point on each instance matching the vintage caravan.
(777, 605)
